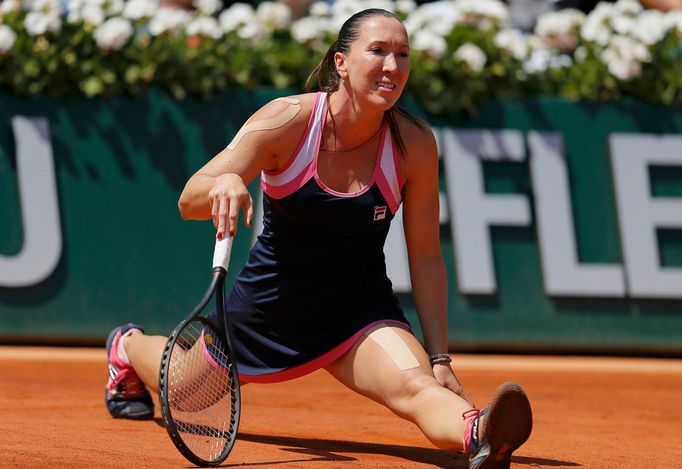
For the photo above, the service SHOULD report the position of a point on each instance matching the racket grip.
(222, 252)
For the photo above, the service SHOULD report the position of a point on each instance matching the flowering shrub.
(463, 51)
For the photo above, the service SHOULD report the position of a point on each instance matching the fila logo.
(379, 213)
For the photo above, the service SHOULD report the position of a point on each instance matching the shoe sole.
(508, 425)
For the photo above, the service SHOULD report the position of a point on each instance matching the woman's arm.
(422, 234)
(266, 141)
(421, 222)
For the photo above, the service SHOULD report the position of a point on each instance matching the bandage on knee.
(394, 346)
(270, 123)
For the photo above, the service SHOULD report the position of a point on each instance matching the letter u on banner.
(42, 246)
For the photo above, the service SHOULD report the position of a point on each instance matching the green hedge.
(463, 51)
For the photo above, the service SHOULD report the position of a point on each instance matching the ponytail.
(325, 77)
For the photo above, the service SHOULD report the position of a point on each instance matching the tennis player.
(335, 167)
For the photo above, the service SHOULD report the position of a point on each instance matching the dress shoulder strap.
(388, 178)
(300, 167)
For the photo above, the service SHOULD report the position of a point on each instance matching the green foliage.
(71, 61)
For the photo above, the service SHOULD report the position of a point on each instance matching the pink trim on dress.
(299, 168)
(301, 142)
(210, 358)
(319, 362)
(279, 192)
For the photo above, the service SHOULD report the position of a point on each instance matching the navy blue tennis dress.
(315, 280)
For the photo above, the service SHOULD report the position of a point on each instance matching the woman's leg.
(374, 370)
(488, 436)
(144, 355)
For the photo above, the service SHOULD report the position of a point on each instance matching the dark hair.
(327, 76)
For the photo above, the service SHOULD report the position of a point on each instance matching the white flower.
(387, 5)
(37, 23)
(113, 7)
(113, 34)
(628, 7)
(204, 26)
(405, 6)
(483, 13)
(251, 31)
(623, 24)
(168, 20)
(92, 14)
(649, 27)
(307, 29)
(560, 61)
(671, 20)
(538, 61)
(603, 11)
(472, 55)
(236, 15)
(7, 38)
(595, 30)
(558, 28)
(208, 7)
(433, 44)
(623, 69)
(437, 17)
(48, 7)
(624, 57)
(7, 6)
(514, 42)
(321, 9)
(344, 9)
(138, 9)
(580, 53)
(273, 15)
(559, 22)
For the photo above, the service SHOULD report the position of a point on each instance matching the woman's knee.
(413, 387)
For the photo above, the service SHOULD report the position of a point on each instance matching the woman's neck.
(350, 125)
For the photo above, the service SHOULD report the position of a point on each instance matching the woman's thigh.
(388, 364)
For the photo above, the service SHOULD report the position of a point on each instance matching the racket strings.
(201, 391)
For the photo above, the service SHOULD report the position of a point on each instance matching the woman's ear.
(340, 63)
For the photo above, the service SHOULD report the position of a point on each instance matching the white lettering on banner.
(640, 213)
(472, 210)
(562, 273)
(42, 246)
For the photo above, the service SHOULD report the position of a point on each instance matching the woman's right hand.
(227, 195)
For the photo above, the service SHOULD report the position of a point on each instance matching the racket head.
(199, 387)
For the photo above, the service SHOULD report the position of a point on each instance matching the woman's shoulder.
(285, 115)
(416, 133)
(299, 102)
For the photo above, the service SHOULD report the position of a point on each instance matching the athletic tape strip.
(268, 124)
(394, 346)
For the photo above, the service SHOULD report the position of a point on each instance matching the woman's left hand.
(446, 377)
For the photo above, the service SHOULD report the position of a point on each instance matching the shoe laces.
(471, 416)
(132, 385)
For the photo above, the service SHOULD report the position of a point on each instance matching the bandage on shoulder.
(394, 346)
(268, 124)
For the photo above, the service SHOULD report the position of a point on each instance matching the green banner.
(561, 222)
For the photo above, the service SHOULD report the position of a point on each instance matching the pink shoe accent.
(209, 357)
(123, 380)
(470, 416)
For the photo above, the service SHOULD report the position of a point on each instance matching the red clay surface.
(602, 413)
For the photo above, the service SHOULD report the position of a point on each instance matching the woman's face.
(378, 63)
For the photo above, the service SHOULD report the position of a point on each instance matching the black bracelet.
(440, 358)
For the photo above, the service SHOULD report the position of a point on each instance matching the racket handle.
(222, 252)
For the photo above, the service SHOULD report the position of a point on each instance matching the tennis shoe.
(126, 395)
(506, 423)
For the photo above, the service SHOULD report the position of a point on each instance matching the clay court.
(602, 413)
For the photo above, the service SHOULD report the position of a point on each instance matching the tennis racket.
(198, 379)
